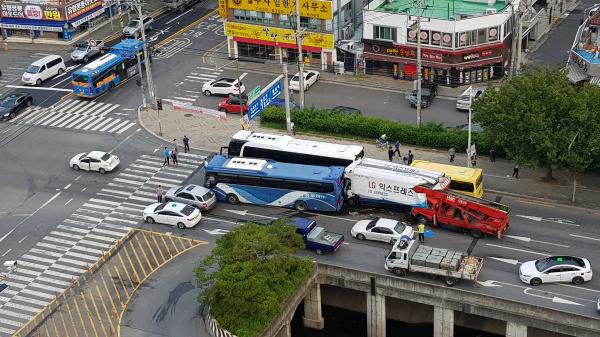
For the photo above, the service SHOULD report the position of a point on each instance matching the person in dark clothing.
(516, 171)
(411, 157)
(492, 155)
(390, 153)
(397, 148)
(174, 157)
(159, 193)
(473, 160)
(186, 143)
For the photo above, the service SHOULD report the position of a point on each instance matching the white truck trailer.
(374, 181)
(408, 255)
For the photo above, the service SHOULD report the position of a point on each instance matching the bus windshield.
(80, 78)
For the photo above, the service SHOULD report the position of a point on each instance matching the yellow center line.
(83, 325)
(162, 237)
(64, 324)
(135, 254)
(151, 250)
(72, 320)
(173, 243)
(98, 313)
(89, 314)
(122, 283)
(126, 271)
(55, 326)
(115, 288)
(108, 317)
(144, 253)
(158, 247)
(184, 29)
(131, 263)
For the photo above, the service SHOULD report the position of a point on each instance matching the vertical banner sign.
(223, 8)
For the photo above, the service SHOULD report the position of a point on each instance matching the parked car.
(194, 195)
(13, 104)
(84, 51)
(345, 110)
(223, 86)
(94, 161)
(428, 93)
(43, 69)
(178, 5)
(136, 27)
(232, 104)
(463, 102)
(172, 213)
(310, 77)
(556, 269)
(386, 230)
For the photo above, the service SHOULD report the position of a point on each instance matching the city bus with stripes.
(108, 71)
(267, 182)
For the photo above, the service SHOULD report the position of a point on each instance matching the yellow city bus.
(465, 180)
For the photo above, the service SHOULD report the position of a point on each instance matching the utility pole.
(513, 51)
(419, 8)
(151, 88)
(300, 55)
(139, 66)
(286, 96)
(469, 137)
(520, 39)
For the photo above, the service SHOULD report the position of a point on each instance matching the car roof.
(226, 79)
(387, 223)
(45, 60)
(96, 154)
(14, 95)
(173, 206)
(195, 189)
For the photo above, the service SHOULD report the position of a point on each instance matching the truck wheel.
(352, 201)
(450, 281)
(232, 199)
(422, 219)
(360, 237)
(399, 271)
(476, 233)
(319, 252)
(300, 206)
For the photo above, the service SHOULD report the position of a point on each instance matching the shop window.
(253, 16)
(384, 33)
(286, 21)
(310, 23)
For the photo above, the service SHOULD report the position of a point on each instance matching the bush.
(358, 126)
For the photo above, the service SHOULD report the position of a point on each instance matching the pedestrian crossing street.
(194, 81)
(76, 115)
(65, 253)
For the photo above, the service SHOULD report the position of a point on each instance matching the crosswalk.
(194, 80)
(76, 115)
(53, 264)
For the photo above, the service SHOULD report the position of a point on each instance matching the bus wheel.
(233, 199)
(476, 233)
(300, 206)
(352, 201)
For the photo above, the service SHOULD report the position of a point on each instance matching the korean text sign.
(319, 9)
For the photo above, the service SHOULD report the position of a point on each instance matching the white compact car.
(94, 161)
(386, 230)
(173, 213)
(556, 269)
(223, 86)
(310, 77)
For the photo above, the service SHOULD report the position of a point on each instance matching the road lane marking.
(526, 239)
(584, 237)
(68, 201)
(34, 212)
(36, 88)
(516, 249)
(6, 252)
(177, 17)
(23, 239)
(66, 187)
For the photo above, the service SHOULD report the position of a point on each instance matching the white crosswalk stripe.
(61, 256)
(77, 115)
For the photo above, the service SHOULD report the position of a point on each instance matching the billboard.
(319, 9)
(78, 8)
(31, 11)
(283, 35)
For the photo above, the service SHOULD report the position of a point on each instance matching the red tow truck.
(479, 217)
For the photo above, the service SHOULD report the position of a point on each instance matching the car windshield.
(179, 190)
(105, 157)
(296, 78)
(208, 195)
(8, 102)
(80, 78)
(83, 156)
(400, 227)
(551, 261)
(187, 210)
(159, 207)
(81, 48)
(371, 224)
(133, 24)
(33, 69)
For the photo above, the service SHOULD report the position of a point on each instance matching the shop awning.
(576, 74)
(43, 25)
(595, 80)
(86, 16)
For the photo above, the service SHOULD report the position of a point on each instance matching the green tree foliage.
(249, 275)
(534, 118)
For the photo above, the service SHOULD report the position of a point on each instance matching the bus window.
(461, 186)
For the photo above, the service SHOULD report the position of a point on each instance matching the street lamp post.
(574, 173)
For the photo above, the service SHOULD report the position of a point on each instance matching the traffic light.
(159, 104)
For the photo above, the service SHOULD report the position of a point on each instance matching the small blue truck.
(317, 238)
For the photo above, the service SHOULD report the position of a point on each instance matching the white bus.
(291, 150)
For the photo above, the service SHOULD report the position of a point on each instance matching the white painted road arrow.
(216, 231)
(526, 239)
(489, 283)
(554, 299)
(509, 261)
(555, 220)
(245, 212)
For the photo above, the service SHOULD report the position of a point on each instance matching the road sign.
(266, 96)
(252, 94)
(92, 43)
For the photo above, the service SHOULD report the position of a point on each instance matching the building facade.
(584, 56)
(50, 19)
(266, 29)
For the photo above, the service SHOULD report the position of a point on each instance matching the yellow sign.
(319, 40)
(320, 9)
(223, 8)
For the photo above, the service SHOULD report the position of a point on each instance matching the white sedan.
(223, 86)
(173, 213)
(94, 161)
(386, 230)
(310, 77)
(556, 269)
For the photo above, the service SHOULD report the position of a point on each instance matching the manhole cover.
(188, 115)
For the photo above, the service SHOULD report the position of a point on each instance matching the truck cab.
(317, 238)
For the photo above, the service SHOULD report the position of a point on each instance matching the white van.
(43, 69)
(463, 102)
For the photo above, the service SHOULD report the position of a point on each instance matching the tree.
(534, 118)
(249, 275)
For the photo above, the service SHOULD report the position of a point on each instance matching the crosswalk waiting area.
(76, 115)
(59, 258)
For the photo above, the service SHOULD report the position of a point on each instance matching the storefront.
(50, 19)
(446, 67)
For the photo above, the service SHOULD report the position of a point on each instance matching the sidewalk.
(209, 133)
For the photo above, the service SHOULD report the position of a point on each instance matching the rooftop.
(443, 9)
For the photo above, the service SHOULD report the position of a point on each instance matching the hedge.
(358, 126)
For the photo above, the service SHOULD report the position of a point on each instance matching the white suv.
(135, 26)
(43, 69)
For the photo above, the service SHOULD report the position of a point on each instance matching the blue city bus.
(108, 71)
(267, 182)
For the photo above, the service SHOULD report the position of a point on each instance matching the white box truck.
(377, 182)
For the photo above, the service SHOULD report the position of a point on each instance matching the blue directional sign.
(266, 96)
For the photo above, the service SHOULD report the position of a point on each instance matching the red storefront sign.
(31, 11)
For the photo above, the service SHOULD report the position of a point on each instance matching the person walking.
(492, 155)
(516, 171)
(451, 154)
(186, 143)
(175, 148)
(174, 156)
(421, 230)
(159, 193)
(411, 157)
(397, 146)
(390, 153)
(166, 154)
